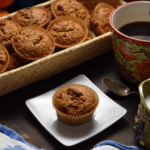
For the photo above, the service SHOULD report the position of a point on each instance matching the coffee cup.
(131, 50)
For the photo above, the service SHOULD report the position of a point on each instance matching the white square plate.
(105, 115)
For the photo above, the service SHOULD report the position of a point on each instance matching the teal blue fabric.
(116, 144)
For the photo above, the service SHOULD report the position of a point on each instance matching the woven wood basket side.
(55, 63)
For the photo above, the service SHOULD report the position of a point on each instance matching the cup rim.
(117, 31)
(141, 93)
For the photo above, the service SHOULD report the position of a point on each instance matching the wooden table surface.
(16, 115)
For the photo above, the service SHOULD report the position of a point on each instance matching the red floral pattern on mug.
(126, 73)
(126, 52)
(143, 69)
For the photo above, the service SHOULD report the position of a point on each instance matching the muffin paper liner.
(6, 52)
(44, 24)
(27, 58)
(68, 18)
(54, 14)
(74, 120)
(94, 23)
(7, 43)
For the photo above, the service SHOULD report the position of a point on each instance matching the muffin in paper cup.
(67, 31)
(4, 59)
(33, 16)
(8, 28)
(69, 8)
(75, 103)
(32, 43)
(99, 22)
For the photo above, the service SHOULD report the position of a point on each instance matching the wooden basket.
(57, 62)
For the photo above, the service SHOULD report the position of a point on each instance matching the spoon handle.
(134, 92)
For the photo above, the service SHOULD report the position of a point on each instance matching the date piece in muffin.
(99, 22)
(67, 31)
(69, 8)
(37, 16)
(14, 62)
(7, 29)
(75, 104)
(32, 43)
(4, 59)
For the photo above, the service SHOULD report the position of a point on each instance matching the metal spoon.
(117, 87)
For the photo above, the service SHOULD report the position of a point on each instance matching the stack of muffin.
(36, 32)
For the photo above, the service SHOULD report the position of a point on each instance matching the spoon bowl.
(117, 87)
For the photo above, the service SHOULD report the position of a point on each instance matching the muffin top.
(67, 32)
(100, 18)
(7, 29)
(103, 16)
(4, 59)
(37, 16)
(102, 10)
(103, 13)
(32, 43)
(69, 8)
(14, 62)
(76, 100)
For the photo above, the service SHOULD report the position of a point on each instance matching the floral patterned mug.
(132, 55)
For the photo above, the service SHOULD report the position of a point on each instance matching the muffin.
(99, 22)
(32, 43)
(14, 62)
(75, 103)
(4, 59)
(69, 8)
(67, 31)
(33, 16)
(7, 29)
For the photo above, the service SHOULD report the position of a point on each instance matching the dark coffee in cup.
(137, 30)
